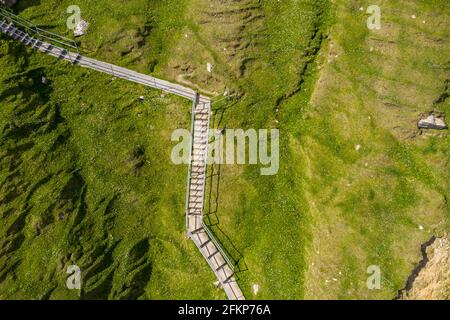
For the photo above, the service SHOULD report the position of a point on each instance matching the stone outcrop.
(431, 279)
(432, 122)
(81, 28)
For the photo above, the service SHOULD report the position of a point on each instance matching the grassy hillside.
(359, 184)
(87, 180)
(86, 176)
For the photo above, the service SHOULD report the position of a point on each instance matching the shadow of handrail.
(211, 217)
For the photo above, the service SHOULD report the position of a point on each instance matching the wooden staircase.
(196, 230)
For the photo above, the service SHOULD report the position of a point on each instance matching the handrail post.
(188, 184)
(206, 156)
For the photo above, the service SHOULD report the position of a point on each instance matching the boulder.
(432, 122)
(81, 28)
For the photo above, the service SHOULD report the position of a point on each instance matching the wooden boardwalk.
(196, 229)
(196, 185)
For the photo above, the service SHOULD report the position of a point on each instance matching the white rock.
(255, 288)
(81, 28)
(209, 67)
(432, 122)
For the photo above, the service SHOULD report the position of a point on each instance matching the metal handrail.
(204, 226)
(131, 75)
(206, 157)
(218, 246)
(188, 187)
(35, 29)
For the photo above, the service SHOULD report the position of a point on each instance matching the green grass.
(85, 147)
(138, 33)
(100, 159)
(331, 211)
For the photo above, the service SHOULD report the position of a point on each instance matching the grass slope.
(87, 178)
(312, 69)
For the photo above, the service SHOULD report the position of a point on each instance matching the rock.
(430, 278)
(432, 122)
(8, 3)
(142, 98)
(81, 28)
(209, 67)
(255, 288)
